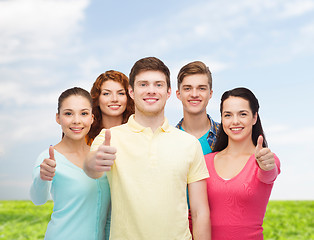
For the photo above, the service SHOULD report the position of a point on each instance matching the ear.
(168, 93)
(131, 92)
(93, 118)
(210, 94)
(178, 95)
(57, 118)
(255, 118)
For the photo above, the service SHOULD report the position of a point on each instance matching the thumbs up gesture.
(105, 155)
(264, 157)
(48, 166)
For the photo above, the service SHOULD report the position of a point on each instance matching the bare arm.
(199, 210)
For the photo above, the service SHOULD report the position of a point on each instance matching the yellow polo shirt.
(148, 181)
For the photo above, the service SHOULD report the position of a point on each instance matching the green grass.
(284, 220)
(289, 220)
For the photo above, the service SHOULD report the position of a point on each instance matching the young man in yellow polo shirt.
(149, 163)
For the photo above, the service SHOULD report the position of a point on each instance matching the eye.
(85, 113)
(122, 93)
(186, 89)
(105, 94)
(203, 89)
(243, 114)
(67, 113)
(226, 115)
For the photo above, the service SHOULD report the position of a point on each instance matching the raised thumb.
(259, 144)
(51, 153)
(107, 137)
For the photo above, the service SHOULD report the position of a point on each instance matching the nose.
(151, 89)
(76, 118)
(235, 120)
(194, 92)
(114, 97)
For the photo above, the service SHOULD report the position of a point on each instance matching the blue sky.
(47, 46)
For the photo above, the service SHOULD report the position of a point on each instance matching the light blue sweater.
(81, 204)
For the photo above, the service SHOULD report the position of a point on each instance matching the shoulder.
(214, 125)
(210, 156)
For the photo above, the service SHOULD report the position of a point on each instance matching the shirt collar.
(136, 127)
(213, 125)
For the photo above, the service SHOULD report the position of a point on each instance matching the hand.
(48, 166)
(264, 157)
(105, 155)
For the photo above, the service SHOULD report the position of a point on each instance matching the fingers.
(107, 137)
(105, 155)
(48, 166)
(265, 159)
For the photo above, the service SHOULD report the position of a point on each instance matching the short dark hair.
(196, 67)
(257, 130)
(146, 64)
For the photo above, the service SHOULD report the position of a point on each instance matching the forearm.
(200, 210)
(40, 189)
(201, 226)
(90, 166)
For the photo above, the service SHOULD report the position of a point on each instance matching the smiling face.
(194, 93)
(112, 99)
(75, 117)
(150, 93)
(237, 119)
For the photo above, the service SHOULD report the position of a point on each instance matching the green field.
(285, 220)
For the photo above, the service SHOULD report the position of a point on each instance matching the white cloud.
(37, 28)
(296, 8)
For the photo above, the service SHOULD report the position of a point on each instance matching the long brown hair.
(95, 92)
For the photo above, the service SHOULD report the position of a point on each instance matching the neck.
(111, 121)
(67, 145)
(153, 121)
(196, 124)
(245, 147)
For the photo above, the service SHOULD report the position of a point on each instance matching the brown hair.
(257, 130)
(146, 64)
(73, 91)
(77, 91)
(196, 67)
(95, 92)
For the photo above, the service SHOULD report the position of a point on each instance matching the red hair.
(95, 93)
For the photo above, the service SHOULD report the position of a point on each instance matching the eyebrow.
(108, 90)
(238, 111)
(71, 110)
(188, 85)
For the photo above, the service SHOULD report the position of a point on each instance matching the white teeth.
(236, 129)
(150, 100)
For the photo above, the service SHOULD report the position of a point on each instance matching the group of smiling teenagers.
(122, 172)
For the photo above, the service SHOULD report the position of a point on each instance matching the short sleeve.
(198, 169)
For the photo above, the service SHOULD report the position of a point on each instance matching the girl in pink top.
(242, 170)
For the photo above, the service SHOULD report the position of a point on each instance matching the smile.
(77, 130)
(194, 101)
(114, 107)
(150, 100)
